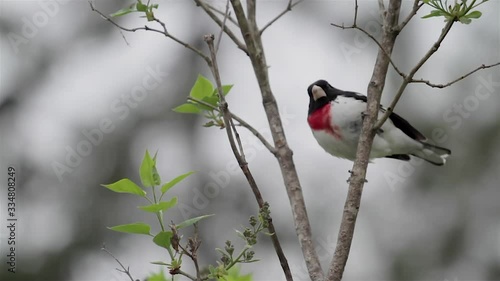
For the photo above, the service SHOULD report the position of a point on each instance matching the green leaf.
(474, 15)
(175, 181)
(125, 186)
(159, 263)
(191, 221)
(135, 228)
(209, 124)
(213, 100)
(149, 174)
(123, 12)
(235, 275)
(162, 239)
(465, 20)
(141, 7)
(157, 277)
(434, 13)
(162, 206)
(226, 89)
(150, 16)
(187, 108)
(202, 88)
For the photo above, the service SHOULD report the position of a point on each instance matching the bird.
(336, 116)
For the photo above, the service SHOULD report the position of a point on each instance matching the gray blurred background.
(64, 71)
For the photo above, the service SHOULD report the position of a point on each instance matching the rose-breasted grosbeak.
(335, 118)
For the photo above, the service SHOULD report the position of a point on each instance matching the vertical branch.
(240, 157)
(284, 154)
(358, 174)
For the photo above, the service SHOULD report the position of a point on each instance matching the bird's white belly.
(346, 115)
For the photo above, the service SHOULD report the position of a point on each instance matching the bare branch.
(381, 9)
(219, 38)
(401, 73)
(409, 78)
(216, 19)
(355, 26)
(147, 28)
(123, 270)
(240, 157)
(358, 174)
(242, 123)
(230, 18)
(416, 6)
(287, 9)
(284, 154)
(483, 66)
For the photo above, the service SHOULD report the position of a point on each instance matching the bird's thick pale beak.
(317, 92)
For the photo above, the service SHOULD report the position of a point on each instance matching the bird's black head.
(320, 94)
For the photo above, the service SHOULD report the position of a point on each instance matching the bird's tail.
(432, 153)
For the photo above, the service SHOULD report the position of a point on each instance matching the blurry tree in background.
(103, 149)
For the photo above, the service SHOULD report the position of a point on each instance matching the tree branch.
(216, 19)
(147, 28)
(242, 123)
(287, 9)
(240, 156)
(231, 19)
(226, 16)
(284, 153)
(483, 66)
(358, 174)
(416, 6)
(355, 26)
(123, 270)
(409, 78)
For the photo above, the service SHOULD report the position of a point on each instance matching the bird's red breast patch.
(320, 120)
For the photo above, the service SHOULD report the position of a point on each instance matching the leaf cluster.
(249, 235)
(140, 7)
(458, 12)
(204, 99)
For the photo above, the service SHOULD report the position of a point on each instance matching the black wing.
(404, 126)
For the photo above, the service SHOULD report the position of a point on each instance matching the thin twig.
(219, 38)
(355, 26)
(216, 19)
(381, 9)
(355, 13)
(286, 10)
(358, 174)
(223, 107)
(231, 19)
(123, 270)
(196, 240)
(401, 73)
(186, 275)
(243, 123)
(416, 6)
(483, 66)
(284, 154)
(409, 78)
(147, 28)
